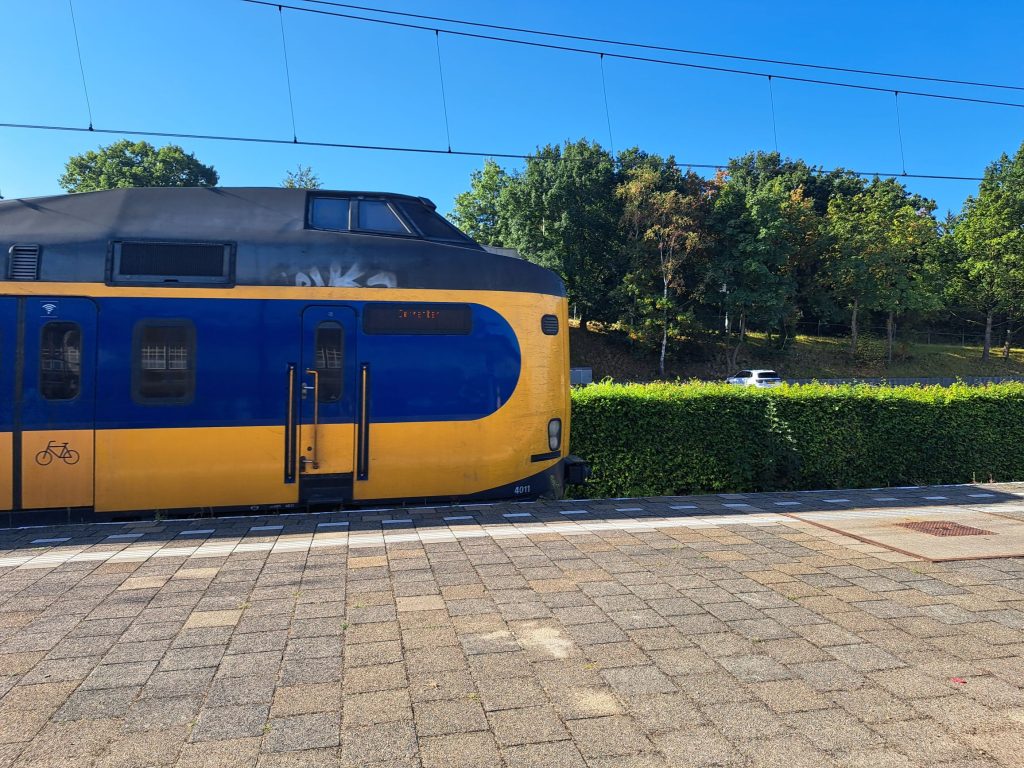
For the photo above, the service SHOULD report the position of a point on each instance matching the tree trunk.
(853, 327)
(664, 326)
(664, 345)
(734, 362)
(890, 333)
(1009, 338)
(988, 337)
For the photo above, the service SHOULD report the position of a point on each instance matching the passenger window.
(376, 215)
(330, 348)
(329, 213)
(165, 362)
(60, 361)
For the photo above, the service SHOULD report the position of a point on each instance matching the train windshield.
(431, 225)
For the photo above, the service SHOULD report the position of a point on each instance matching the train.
(201, 349)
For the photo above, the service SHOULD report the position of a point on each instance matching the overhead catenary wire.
(287, 73)
(645, 59)
(444, 99)
(668, 48)
(425, 150)
(607, 112)
(899, 132)
(81, 66)
(775, 129)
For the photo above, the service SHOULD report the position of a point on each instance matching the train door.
(327, 404)
(54, 416)
(8, 354)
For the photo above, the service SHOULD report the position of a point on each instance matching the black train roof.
(266, 226)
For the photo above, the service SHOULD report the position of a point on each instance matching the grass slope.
(613, 353)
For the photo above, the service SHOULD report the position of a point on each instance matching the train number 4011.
(520, 489)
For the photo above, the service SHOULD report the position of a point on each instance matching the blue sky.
(216, 66)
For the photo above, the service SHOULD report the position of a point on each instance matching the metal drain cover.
(945, 528)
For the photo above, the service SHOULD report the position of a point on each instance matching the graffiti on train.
(356, 276)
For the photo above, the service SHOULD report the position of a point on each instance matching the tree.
(476, 210)
(759, 233)
(816, 186)
(561, 212)
(989, 240)
(135, 164)
(302, 177)
(664, 213)
(883, 240)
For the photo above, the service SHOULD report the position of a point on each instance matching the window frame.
(78, 383)
(325, 324)
(410, 231)
(136, 362)
(458, 236)
(312, 198)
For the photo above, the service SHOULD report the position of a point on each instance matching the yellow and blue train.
(222, 348)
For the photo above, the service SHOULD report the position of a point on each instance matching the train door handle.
(363, 426)
(316, 413)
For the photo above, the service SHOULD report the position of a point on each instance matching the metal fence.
(915, 381)
(973, 336)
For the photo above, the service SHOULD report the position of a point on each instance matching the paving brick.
(437, 718)
(832, 729)
(233, 722)
(233, 753)
(608, 737)
(301, 732)
(460, 750)
(386, 744)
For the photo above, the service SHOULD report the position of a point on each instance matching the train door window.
(329, 213)
(164, 369)
(330, 361)
(60, 361)
(378, 216)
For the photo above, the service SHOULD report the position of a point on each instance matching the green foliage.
(664, 218)
(302, 177)
(767, 244)
(561, 212)
(135, 164)
(985, 264)
(672, 439)
(476, 210)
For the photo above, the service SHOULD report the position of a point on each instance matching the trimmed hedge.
(674, 439)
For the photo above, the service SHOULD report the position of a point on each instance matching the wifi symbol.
(48, 308)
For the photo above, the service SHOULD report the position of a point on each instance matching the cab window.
(377, 216)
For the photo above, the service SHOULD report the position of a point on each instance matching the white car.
(756, 378)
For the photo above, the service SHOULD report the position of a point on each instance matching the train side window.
(377, 216)
(60, 361)
(329, 364)
(329, 213)
(164, 365)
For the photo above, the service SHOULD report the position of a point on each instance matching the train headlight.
(555, 434)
